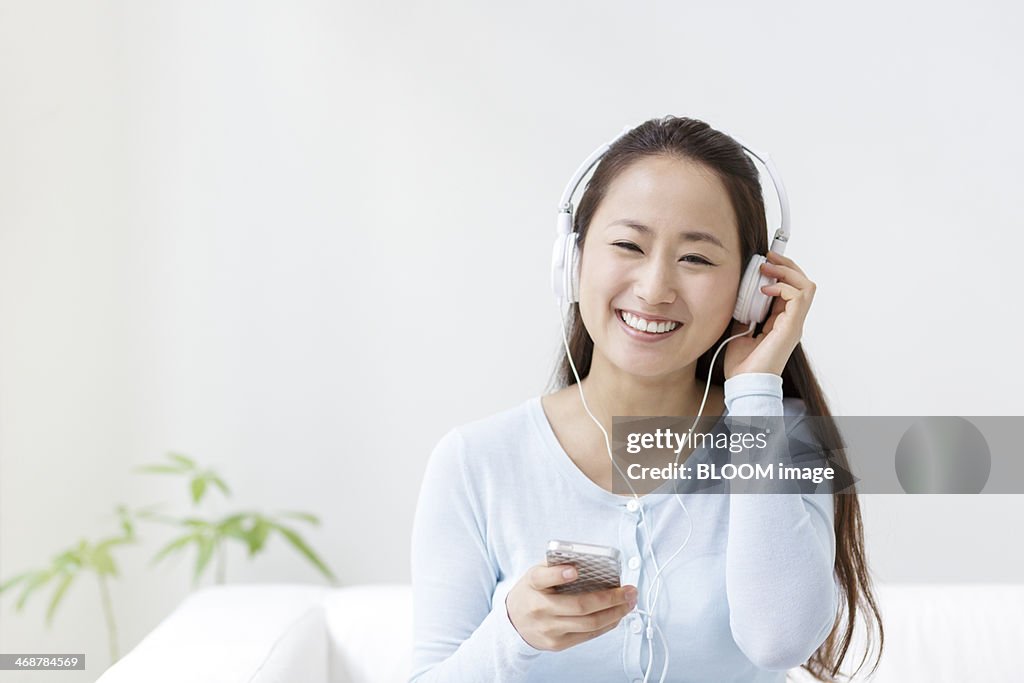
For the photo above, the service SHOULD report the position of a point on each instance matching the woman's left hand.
(785, 325)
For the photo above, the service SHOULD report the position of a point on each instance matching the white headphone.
(751, 303)
(751, 307)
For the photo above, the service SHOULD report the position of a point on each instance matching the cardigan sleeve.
(457, 634)
(780, 554)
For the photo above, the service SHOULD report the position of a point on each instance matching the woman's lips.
(650, 337)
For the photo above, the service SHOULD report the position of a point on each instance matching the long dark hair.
(693, 140)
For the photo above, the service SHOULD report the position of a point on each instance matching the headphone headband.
(566, 208)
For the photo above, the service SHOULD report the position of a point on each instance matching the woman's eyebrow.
(685, 235)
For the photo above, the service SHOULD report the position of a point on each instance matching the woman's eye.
(689, 258)
(696, 259)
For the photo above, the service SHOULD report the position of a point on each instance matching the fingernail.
(631, 596)
(569, 573)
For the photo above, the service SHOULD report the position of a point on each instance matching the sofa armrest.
(234, 634)
(369, 630)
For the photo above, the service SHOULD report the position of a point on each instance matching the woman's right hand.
(547, 620)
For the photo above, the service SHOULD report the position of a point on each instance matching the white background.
(300, 241)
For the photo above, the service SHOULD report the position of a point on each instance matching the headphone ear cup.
(572, 266)
(751, 303)
(558, 269)
(565, 278)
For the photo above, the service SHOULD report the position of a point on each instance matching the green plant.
(69, 565)
(199, 479)
(209, 536)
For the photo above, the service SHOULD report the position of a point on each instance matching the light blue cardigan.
(752, 594)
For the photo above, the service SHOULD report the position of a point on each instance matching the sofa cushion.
(242, 633)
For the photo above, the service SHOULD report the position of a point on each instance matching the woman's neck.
(611, 392)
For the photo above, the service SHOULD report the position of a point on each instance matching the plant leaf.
(206, 547)
(234, 527)
(38, 578)
(67, 559)
(312, 519)
(16, 579)
(161, 519)
(58, 594)
(301, 546)
(103, 562)
(258, 535)
(184, 460)
(219, 483)
(198, 489)
(232, 521)
(148, 510)
(173, 546)
(111, 542)
(126, 521)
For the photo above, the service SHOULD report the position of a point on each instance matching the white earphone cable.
(656, 582)
(655, 588)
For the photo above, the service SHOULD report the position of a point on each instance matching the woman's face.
(663, 245)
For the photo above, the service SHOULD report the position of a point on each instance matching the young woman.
(763, 583)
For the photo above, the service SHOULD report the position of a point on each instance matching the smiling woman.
(747, 586)
(657, 266)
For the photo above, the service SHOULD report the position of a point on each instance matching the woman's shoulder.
(488, 455)
(503, 424)
(495, 433)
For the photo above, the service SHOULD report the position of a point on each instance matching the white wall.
(300, 241)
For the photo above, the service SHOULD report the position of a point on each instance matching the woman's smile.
(646, 330)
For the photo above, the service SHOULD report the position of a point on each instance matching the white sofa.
(362, 634)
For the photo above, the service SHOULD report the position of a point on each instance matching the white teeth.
(648, 326)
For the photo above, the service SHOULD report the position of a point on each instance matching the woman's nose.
(654, 283)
